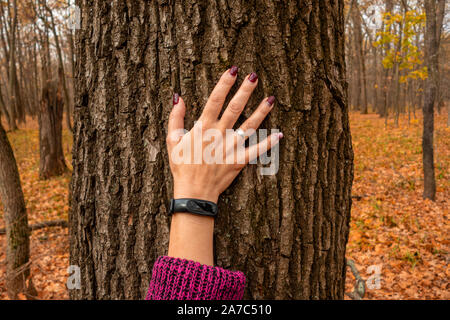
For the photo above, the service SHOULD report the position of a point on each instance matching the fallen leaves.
(45, 200)
(393, 225)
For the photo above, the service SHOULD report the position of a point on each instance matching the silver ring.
(241, 133)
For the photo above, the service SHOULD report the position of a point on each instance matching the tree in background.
(432, 39)
(359, 59)
(52, 162)
(51, 105)
(386, 82)
(287, 232)
(27, 88)
(391, 35)
(33, 44)
(402, 55)
(15, 111)
(61, 68)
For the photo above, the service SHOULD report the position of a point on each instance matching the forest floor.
(392, 227)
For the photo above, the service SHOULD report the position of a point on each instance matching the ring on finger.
(240, 133)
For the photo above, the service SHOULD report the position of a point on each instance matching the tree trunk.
(16, 221)
(448, 114)
(3, 107)
(360, 64)
(396, 70)
(61, 72)
(353, 88)
(387, 74)
(431, 57)
(286, 232)
(50, 117)
(376, 86)
(440, 12)
(12, 68)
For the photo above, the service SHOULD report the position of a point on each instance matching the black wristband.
(195, 206)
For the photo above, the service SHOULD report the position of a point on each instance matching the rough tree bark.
(16, 221)
(287, 232)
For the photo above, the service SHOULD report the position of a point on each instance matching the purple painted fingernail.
(175, 98)
(253, 77)
(234, 70)
(280, 135)
(270, 100)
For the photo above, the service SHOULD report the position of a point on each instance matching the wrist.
(194, 192)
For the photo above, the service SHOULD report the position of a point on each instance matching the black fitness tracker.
(195, 206)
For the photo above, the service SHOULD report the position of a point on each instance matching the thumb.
(176, 120)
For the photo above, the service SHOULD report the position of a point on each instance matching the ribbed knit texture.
(181, 279)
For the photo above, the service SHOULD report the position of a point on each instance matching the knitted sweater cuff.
(181, 279)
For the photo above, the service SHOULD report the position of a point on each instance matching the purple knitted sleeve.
(181, 279)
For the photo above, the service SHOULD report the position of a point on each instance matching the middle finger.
(238, 102)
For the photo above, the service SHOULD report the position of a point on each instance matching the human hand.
(205, 160)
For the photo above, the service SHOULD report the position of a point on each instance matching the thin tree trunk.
(22, 85)
(376, 86)
(431, 57)
(440, 12)
(364, 83)
(12, 67)
(387, 74)
(359, 56)
(448, 114)
(397, 71)
(3, 107)
(35, 72)
(61, 71)
(375, 81)
(352, 79)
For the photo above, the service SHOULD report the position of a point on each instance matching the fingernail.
(175, 99)
(234, 70)
(280, 135)
(270, 100)
(253, 77)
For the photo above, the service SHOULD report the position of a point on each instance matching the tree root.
(360, 285)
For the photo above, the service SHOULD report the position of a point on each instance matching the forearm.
(187, 272)
(191, 238)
